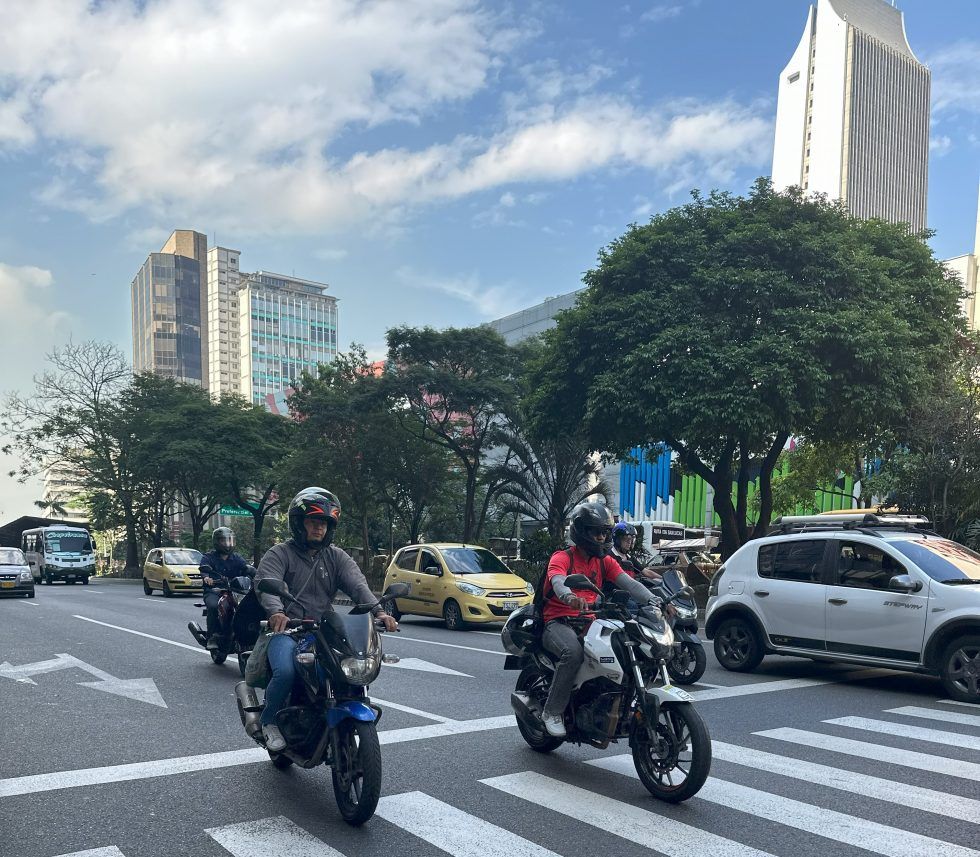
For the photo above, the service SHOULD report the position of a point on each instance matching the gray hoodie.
(314, 579)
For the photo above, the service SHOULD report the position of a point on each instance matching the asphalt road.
(120, 737)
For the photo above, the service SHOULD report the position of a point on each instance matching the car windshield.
(11, 556)
(473, 561)
(182, 557)
(68, 542)
(943, 560)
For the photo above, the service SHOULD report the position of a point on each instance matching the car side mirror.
(904, 583)
(433, 569)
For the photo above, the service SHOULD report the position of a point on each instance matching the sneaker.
(273, 739)
(554, 725)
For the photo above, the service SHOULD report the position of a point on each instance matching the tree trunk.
(765, 485)
(258, 519)
(469, 511)
(366, 548)
(742, 494)
(132, 555)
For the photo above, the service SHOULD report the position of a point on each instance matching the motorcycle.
(689, 660)
(330, 719)
(622, 692)
(239, 616)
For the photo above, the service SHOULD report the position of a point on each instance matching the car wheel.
(84, 581)
(453, 616)
(959, 669)
(394, 612)
(49, 580)
(30, 594)
(167, 591)
(737, 646)
(146, 587)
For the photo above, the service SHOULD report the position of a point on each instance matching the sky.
(436, 162)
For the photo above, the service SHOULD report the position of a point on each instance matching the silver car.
(15, 573)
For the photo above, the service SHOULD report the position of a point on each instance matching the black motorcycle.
(689, 660)
(239, 618)
(330, 719)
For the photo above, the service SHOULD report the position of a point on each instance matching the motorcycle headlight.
(470, 589)
(685, 612)
(26, 576)
(361, 670)
(663, 637)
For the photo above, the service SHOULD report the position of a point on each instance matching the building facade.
(286, 326)
(536, 319)
(224, 360)
(168, 305)
(852, 118)
(967, 268)
(62, 492)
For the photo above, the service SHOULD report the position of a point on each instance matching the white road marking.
(111, 851)
(425, 666)
(269, 837)
(903, 794)
(88, 591)
(402, 637)
(27, 602)
(409, 710)
(917, 733)
(828, 823)
(141, 634)
(488, 633)
(936, 714)
(648, 829)
(451, 830)
(786, 684)
(147, 598)
(972, 705)
(185, 764)
(878, 752)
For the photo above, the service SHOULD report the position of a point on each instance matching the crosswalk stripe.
(878, 752)
(936, 714)
(827, 823)
(903, 794)
(972, 705)
(451, 830)
(111, 851)
(269, 837)
(900, 730)
(647, 829)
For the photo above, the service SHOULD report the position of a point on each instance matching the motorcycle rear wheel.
(356, 771)
(680, 746)
(693, 663)
(218, 657)
(533, 682)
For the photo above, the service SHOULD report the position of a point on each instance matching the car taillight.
(715, 581)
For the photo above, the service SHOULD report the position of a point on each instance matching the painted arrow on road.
(425, 666)
(140, 689)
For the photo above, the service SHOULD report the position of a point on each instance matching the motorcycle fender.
(514, 662)
(350, 710)
(682, 635)
(667, 693)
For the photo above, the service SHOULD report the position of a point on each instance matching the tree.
(726, 325)
(74, 418)
(453, 388)
(810, 468)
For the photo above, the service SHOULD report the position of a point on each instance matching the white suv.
(862, 589)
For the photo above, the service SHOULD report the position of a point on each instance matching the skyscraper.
(852, 119)
(287, 325)
(169, 304)
(967, 268)
(222, 321)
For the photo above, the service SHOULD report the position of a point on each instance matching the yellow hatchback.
(172, 570)
(464, 584)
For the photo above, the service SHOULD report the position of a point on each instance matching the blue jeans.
(281, 652)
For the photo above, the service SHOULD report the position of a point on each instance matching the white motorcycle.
(622, 691)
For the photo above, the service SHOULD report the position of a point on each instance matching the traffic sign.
(235, 510)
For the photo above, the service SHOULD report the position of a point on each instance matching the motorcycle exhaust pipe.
(197, 633)
(249, 708)
(526, 714)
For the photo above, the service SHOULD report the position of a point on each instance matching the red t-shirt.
(597, 570)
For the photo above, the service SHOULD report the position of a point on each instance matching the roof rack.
(857, 520)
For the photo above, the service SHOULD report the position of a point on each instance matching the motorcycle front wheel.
(357, 771)
(688, 665)
(673, 755)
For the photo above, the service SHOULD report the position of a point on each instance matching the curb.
(114, 580)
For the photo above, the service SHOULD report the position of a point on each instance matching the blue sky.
(441, 162)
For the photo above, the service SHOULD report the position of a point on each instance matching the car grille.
(8, 576)
(521, 593)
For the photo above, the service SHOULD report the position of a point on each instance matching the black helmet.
(586, 519)
(313, 503)
(223, 540)
(622, 530)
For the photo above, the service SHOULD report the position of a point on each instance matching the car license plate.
(510, 605)
(8, 584)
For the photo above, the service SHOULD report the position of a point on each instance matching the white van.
(59, 553)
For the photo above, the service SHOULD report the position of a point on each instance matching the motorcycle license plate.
(510, 605)
(8, 584)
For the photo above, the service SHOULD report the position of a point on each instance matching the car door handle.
(762, 593)
(837, 601)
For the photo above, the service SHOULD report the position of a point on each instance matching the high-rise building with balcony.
(286, 326)
(852, 119)
(224, 363)
(169, 305)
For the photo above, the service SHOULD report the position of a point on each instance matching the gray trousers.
(563, 642)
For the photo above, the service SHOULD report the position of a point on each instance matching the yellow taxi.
(464, 584)
(173, 570)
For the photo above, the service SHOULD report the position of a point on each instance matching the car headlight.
(26, 576)
(361, 670)
(529, 588)
(176, 575)
(470, 589)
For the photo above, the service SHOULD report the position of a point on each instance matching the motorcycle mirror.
(271, 586)
(397, 590)
(686, 592)
(620, 597)
(579, 581)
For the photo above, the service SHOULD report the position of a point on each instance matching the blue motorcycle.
(330, 719)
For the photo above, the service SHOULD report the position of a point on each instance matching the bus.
(59, 553)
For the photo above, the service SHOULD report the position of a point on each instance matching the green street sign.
(234, 510)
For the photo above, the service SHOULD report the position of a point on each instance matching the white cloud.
(331, 254)
(228, 114)
(28, 326)
(956, 78)
(490, 302)
(940, 145)
(662, 12)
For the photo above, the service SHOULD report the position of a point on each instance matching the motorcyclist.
(314, 569)
(218, 564)
(623, 539)
(591, 530)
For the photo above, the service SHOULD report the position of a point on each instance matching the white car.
(862, 589)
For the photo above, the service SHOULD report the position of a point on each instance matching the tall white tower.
(967, 268)
(852, 120)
